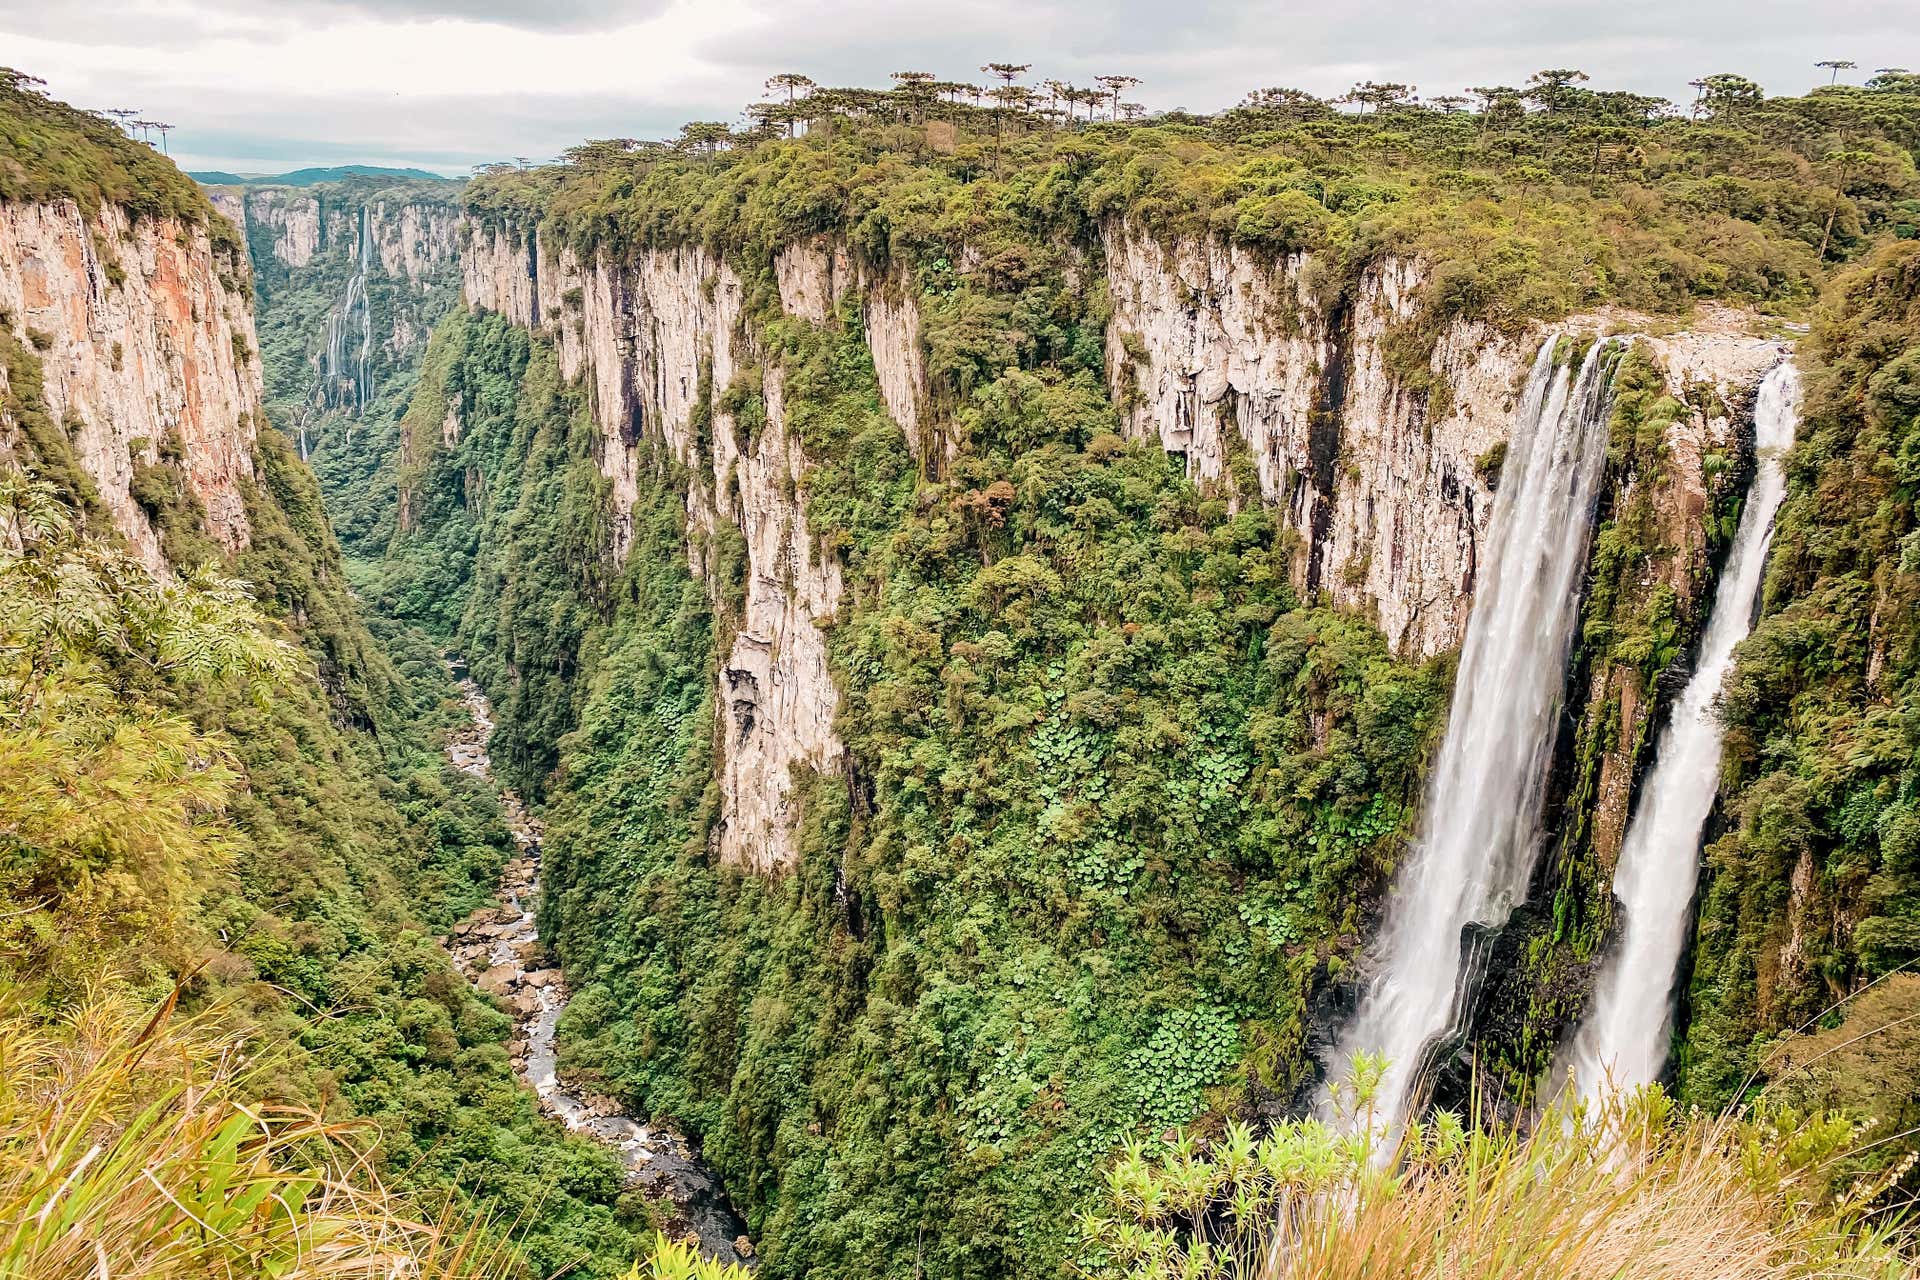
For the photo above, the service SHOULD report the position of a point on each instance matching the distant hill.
(309, 177)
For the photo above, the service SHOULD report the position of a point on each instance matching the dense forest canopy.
(1547, 199)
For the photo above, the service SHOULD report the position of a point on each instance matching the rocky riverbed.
(499, 950)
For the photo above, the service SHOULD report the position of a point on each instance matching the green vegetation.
(51, 151)
(1631, 1187)
(1647, 590)
(1121, 795)
(185, 802)
(1589, 197)
(351, 447)
(1117, 799)
(130, 1145)
(1815, 886)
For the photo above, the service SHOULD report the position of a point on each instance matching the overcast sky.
(266, 85)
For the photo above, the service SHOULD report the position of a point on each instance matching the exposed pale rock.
(640, 334)
(1716, 353)
(777, 693)
(416, 239)
(498, 273)
(892, 318)
(812, 275)
(167, 354)
(230, 205)
(1212, 349)
(498, 980)
(294, 219)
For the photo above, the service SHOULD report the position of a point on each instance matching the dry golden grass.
(128, 1152)
(1624, 1190)
(1628, 1196)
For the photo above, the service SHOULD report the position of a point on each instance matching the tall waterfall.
(1478, 841)
(1622, 1042)
(344, 385)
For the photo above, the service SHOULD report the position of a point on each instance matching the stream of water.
(1622, 1042)
(1480, 833)
(499, 949)
(334, 367)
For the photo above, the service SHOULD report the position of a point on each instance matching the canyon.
(1384, 485)
(499, 950)
(978, 680)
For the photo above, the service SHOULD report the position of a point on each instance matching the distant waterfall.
(1478, 840)
(344, 382)
(1623, 1041)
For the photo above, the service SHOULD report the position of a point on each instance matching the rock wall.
(812, 277)
(641, 334)
(1214, 350)
(1716, 355)
(292, 217)
(145, 338)
(1217, 353)
(414, 239)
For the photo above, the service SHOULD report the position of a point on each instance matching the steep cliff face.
(659, 340)
(145, 339)
(412, 238)
(415, 239)
(1219, 353)
(291, 220)
(1712, 370)
(1383, 467)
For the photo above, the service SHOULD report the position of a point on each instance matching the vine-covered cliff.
(978, 617)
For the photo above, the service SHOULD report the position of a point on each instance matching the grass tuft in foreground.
(1628, 1187)
(128, 1148)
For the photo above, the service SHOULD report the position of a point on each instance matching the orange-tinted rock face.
(146, 343)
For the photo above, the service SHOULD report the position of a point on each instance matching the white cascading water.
(1623, 1040)
(333, 356)
(1481, 829)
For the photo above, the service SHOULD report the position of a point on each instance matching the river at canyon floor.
(499, 950)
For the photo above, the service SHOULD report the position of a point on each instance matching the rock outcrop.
(293, 220)
(652, 337)
(144, 333)
(413, 239)
(416, 239)
(1216, 352)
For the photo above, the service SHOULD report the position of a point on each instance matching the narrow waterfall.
(1623, 1040)
(361, 386)
(1480, 833)
(341, 386)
